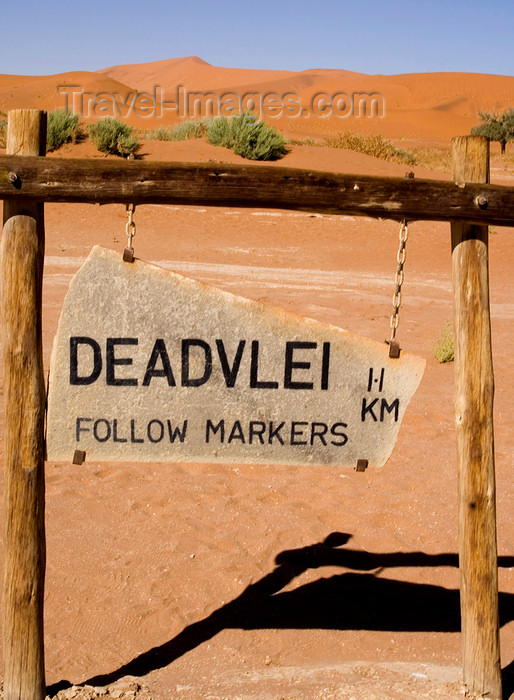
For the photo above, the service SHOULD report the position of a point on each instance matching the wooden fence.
(468, 203)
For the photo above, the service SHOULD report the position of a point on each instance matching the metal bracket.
(394, 349)
(128, 254)
(362, 465)
(79, 457)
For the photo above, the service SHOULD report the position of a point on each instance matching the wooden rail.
(146, 182)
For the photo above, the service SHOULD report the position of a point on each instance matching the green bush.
(242, 133)
(113, 136)
(62, 126)
(444, 350)
(377, 146)
(221, 132)
(159, 134)
(496, 127)
(181, 131)
(247, 137)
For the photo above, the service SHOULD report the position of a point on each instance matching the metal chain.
(130, 228)
(398, 279)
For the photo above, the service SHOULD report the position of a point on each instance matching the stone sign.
(150, 366)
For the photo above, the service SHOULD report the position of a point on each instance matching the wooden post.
(22, 253)
(474, 389)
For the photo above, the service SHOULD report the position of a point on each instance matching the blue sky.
(399, 36)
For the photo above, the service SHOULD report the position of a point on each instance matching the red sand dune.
(191, 71)
(425, 106)
(197, 74)
(49, 91)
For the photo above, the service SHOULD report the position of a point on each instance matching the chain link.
(130, 228)
(398, 279)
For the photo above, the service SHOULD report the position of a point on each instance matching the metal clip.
(130, 229)
(362, 465)
(394, 349)
(79, 457)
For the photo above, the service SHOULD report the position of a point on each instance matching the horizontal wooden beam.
(263, 186)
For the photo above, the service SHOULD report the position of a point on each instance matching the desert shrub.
(113, 136)
(377, 146)
(3, 132)
(433, 157)
(304, 142)
(180, 132)
(221, 132)
(159, 134)
(62, 126)
(496, 127)
(444, 350)
(247, 137)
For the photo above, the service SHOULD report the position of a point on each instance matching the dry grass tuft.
(377, 146)
(444, 350)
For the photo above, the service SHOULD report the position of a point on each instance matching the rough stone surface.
(150, 366)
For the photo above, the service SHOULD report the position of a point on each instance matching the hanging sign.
(150, 366)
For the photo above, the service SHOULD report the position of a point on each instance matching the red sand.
(426, 106)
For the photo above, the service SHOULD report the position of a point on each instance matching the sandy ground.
(240, 581)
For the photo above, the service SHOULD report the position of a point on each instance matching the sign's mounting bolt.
(481, 201)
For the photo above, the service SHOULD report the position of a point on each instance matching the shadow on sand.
(360, 601)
